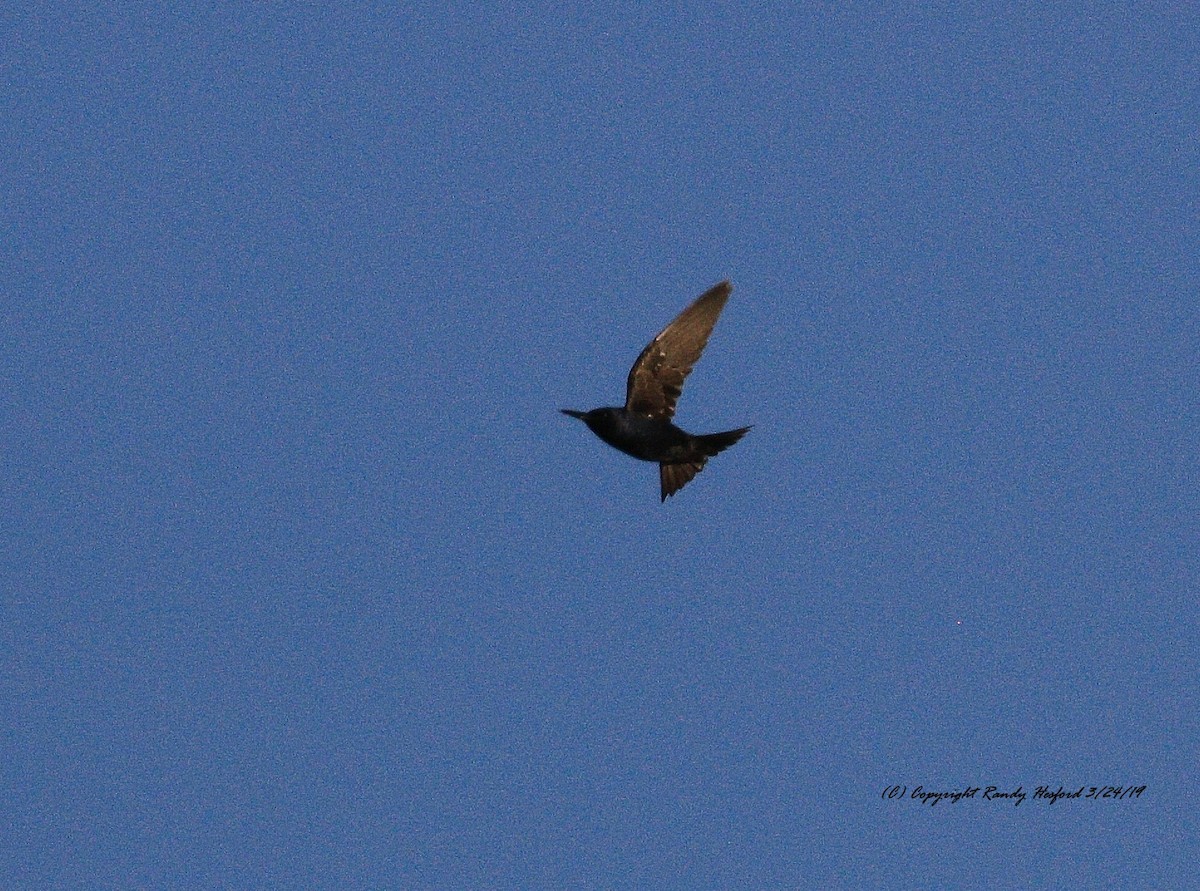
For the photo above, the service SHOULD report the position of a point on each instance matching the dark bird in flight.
(643, 427)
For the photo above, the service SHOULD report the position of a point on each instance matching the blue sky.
(307, 583)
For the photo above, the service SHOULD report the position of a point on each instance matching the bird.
(643, 427)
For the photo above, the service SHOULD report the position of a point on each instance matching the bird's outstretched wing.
(656, 379)
(673, 477)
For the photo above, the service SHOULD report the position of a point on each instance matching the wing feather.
(656, 379)
(673, 477)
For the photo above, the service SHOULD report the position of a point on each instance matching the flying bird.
(643, 427)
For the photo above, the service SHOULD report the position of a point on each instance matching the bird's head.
(598, 419)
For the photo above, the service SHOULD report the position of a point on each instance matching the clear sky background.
(307, 583)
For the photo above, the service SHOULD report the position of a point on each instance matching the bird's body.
(643, 427)
(649, 439)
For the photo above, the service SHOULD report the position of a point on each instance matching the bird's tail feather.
(719, 442)
(673, 477)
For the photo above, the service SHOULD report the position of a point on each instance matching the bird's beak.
(572, 413)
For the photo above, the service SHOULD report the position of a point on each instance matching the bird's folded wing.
(656, 379)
